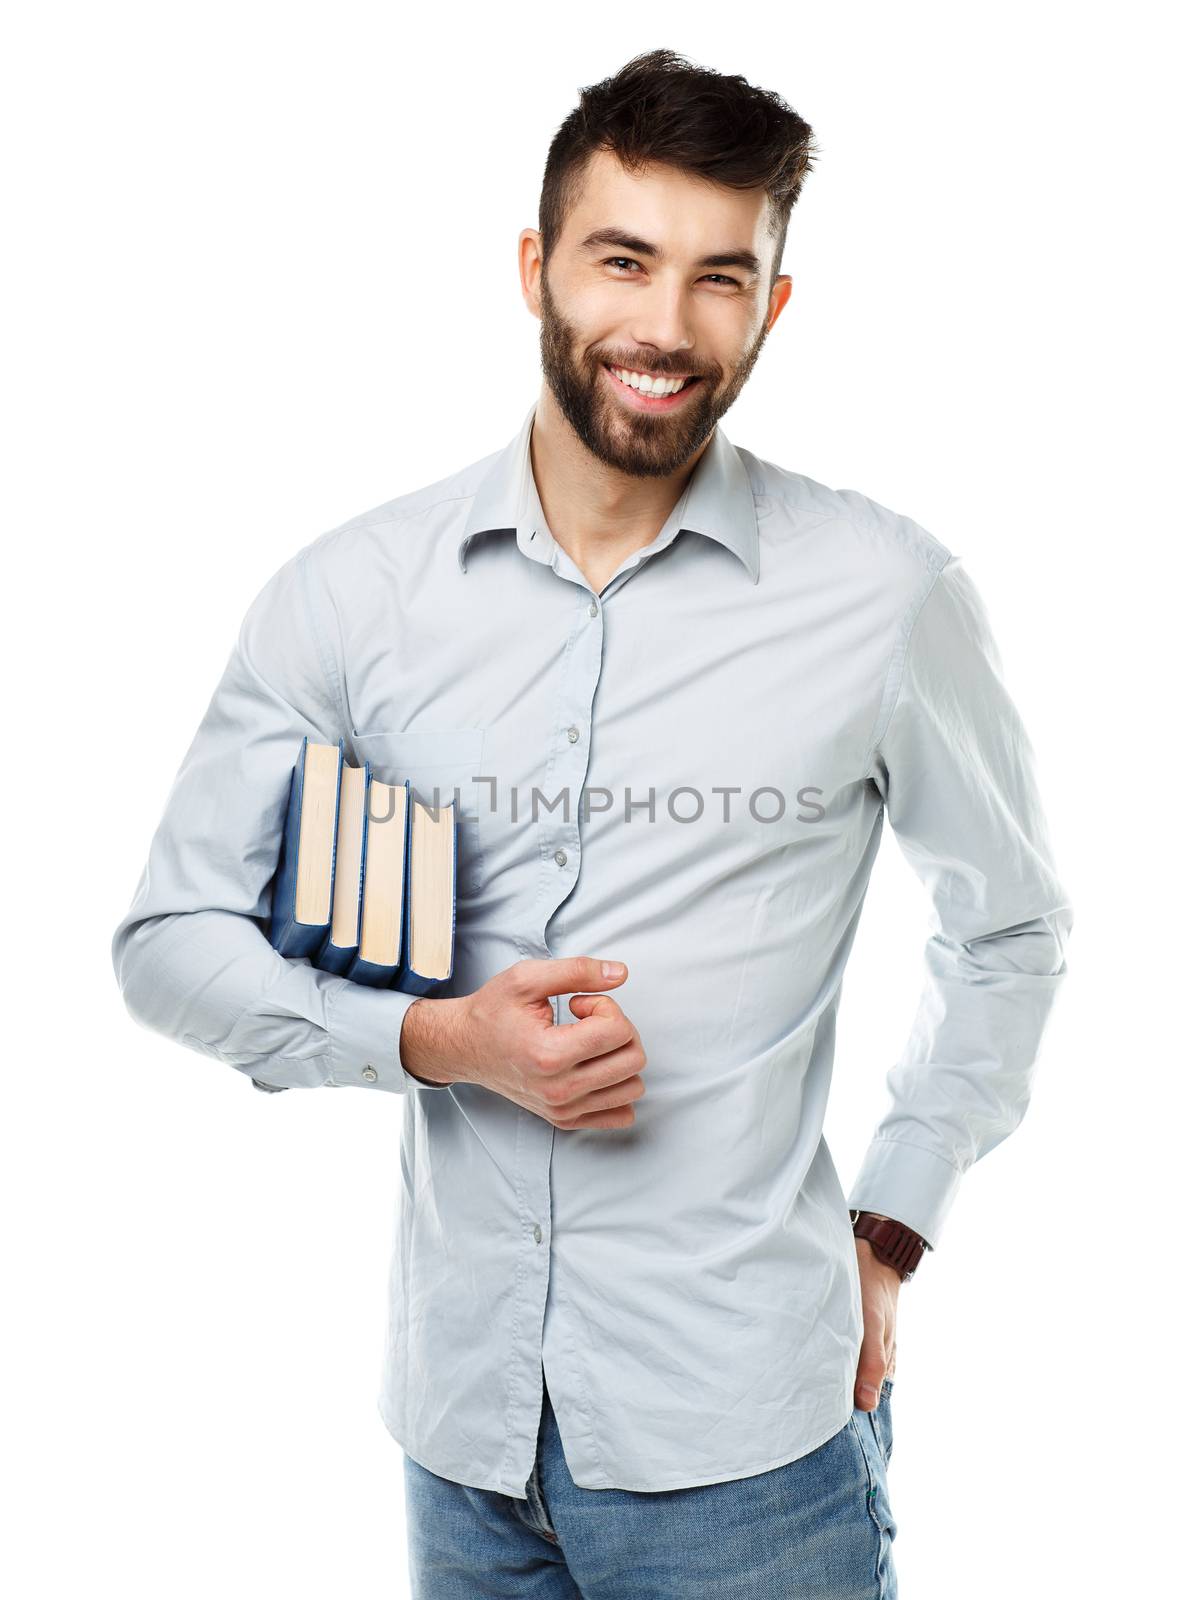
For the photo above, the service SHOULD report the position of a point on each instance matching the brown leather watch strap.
(892, 1242)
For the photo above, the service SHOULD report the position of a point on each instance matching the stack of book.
(366, 881)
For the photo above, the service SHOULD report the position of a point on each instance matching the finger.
(613, 1096)
(576, 1043)
(616, 1117)
(586, 1005)
(611, 1080)
(592, 1007)
(589, 1007)
(536, 978)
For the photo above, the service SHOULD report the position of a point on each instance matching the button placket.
(560, 845)
(569, 760)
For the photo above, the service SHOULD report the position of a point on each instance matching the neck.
(598, 514)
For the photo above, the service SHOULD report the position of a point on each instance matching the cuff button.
(370, 1074)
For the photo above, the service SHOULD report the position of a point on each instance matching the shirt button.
(560, 857)
(593, 609)
(572, 734)
(370, 1073)
(537, 1234)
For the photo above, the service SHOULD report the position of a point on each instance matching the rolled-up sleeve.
(191, 954)
(955, 768)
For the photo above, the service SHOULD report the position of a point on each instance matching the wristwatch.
(893, 1243)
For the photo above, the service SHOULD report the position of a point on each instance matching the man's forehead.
(607, 186)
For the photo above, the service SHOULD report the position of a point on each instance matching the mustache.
(657, 369)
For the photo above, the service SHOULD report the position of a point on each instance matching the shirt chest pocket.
(441, 764)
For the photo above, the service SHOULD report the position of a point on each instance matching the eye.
(629, 261)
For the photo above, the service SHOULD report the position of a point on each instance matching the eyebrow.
(641, 247)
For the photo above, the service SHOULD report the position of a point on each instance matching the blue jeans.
(818, 1528)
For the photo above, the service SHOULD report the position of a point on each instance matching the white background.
(261, 276)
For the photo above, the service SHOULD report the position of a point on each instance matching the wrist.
(427, 1042)
(891, 1241)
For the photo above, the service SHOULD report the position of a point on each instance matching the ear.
(778, 298)
(529, 265)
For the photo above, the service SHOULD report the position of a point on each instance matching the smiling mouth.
(643, 398)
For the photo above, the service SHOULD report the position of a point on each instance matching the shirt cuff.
(907, 1183)
(364, 1038)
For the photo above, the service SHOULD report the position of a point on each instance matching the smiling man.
(641, 1344)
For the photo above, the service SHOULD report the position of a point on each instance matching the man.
(635, 1346)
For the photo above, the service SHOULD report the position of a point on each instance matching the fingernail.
(612, 969)
(868, 1396)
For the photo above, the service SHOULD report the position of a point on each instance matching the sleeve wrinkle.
(894, 675)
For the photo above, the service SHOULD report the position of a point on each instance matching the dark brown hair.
(661, 107)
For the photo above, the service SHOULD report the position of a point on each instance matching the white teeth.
(647, 384)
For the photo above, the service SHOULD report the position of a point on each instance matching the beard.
(652, 445)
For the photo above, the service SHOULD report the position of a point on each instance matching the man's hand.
(880, 1294)
(584, 1074)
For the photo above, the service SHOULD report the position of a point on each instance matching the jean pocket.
(442, 764)
(881, 1423)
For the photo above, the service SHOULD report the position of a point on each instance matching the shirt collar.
(718, 502)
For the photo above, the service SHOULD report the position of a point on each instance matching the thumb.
(565, 975)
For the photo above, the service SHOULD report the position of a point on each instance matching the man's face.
(610, 303)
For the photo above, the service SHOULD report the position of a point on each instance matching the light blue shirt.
(727, 720)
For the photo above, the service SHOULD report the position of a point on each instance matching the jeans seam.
(871, 1491)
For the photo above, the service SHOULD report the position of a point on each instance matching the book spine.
(410, 982)
(301, 939)
(371, 973)
(281, 927)
(335, 958)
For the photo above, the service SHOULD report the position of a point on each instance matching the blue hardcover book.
(430, 912)
(344, 935)
(301, 893)
(378, 956)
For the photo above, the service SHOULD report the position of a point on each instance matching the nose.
(662, 322)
